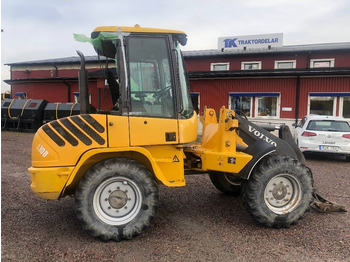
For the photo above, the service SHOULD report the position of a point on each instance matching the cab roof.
(137, 29)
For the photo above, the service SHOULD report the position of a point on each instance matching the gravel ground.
(194, 223)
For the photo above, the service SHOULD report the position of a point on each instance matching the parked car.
(323, 134)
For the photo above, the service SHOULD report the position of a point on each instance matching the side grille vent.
(79, 130)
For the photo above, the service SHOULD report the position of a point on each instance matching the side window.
(242, 104)
(302, 122)
(267, 106)
(327, 62)
(322, 105)
(346, 106)
(219, 66)
(142, 78)
(150, 82)
(251, 65)
(285, 64)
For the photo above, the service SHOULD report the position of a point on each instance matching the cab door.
(152, 114)
(153, 131)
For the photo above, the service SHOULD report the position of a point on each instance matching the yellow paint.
(118, 131)
(136, 29)
(165, 162)
(66, 155)
(152, 131)
(169, 160)
(188, 129)
(56, 170)
(159, 160)
(48, 183)
(217, 150)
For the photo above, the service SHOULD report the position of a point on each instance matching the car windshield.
(328, 125)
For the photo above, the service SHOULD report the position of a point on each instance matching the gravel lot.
(194, 223)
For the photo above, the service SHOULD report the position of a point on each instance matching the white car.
(323, 134)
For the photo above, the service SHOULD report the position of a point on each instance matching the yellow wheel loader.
(113, 161)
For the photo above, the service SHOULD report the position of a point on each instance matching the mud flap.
(323, 205)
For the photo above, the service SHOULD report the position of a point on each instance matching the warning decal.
(176, 159)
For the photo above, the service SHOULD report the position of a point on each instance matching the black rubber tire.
(227, 183)
(134, 188)
(279, 191)
(347, 158)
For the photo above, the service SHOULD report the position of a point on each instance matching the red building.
(272, 84)
(287, 82)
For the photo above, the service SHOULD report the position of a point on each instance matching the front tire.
(278, 192)
(227, 183)
(116, 199)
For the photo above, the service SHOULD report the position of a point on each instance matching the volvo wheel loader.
(113, 161)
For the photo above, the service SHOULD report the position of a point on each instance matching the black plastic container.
(22, 114)
(54, 111)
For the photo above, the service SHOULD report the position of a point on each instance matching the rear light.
(306, 133)
(346, 136)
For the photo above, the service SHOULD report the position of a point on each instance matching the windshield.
(187, 107)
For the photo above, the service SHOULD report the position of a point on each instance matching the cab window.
(151, 92)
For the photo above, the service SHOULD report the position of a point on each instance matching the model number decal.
(261, 136)
(42, 150)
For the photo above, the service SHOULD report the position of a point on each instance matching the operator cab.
(151, 78)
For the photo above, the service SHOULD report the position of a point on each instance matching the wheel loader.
(113, 161)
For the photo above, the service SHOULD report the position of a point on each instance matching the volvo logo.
(261, 136)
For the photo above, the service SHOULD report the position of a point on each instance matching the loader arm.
(234, 144)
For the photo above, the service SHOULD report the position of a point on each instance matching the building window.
(241, 104)
(21, 95)
(322, 105)
(251, 65)
(327, 62)
(220, 66)
(267, 106)
(285, 64)
(77, 97)
(345, 106)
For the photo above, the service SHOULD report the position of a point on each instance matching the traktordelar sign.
(251, 41)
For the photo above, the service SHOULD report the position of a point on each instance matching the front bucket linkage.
(323, 205)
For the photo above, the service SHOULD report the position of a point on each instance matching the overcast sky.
(42, 29)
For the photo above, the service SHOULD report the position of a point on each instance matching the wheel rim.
(233, 179)
(117, 201)
(282, 194)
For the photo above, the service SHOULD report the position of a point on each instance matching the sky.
(43, 29)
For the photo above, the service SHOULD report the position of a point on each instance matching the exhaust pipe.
(83, 86)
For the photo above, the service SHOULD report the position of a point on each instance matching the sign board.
(287, 109)
(250, 41)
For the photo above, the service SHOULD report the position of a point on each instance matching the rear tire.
(116, 199)
(278, 192)
(227, 183)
